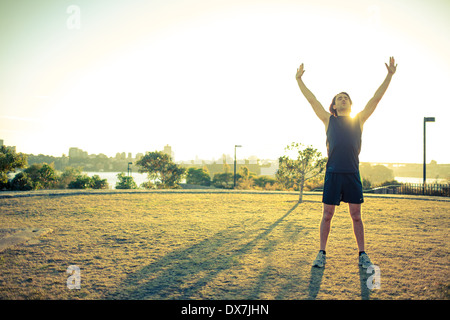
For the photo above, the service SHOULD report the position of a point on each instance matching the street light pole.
(129, 169)
(425, 120)
(236, 146)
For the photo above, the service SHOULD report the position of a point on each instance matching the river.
(419, 180)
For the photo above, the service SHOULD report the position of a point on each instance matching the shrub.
(263, 181)
(83, 181)
(70, 174)
(125, 182)
(224, 180)
(198, 176)
(148, 185)
(98, 183)
(21, 182)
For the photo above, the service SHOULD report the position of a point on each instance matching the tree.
(83, 181)
(38, 176)
(198, 176)
(98, 183)
(9, 162)
(70, 174)
(47, 175)
(224, 180)
(161, 169)
(21, 182)
(125, 182)
(294, 172)
(246, 181)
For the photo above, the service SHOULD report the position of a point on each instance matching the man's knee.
(355, 212)
(328, 212)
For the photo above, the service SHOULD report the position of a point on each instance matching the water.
(419, 180)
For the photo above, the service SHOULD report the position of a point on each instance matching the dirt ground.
(219, 246)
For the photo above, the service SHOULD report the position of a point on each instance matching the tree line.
(300, 168)
(162, 173)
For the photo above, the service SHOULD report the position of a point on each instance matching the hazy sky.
(204, 75)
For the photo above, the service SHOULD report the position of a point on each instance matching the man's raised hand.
(300, 72)
(392, 67)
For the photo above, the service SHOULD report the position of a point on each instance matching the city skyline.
(203, 76)
(75, 152)
(253, 159)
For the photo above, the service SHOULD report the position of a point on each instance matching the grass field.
(221, 246)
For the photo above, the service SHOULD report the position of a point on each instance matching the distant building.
(139, 155)
(253, 159)
(120, 156)
(77, 153)
(12, 148)
(168, 150)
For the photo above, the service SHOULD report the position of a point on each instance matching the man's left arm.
(372, 104)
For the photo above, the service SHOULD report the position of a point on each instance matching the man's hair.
(333, 111)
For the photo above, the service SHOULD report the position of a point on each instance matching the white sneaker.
(364, 260)
(320, 261)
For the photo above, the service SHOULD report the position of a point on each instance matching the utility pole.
(236, 146)
(425, 120)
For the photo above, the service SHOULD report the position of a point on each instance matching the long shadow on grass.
(315, 281)
(184, 272)
(363, 277)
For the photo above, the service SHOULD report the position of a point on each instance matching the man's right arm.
(315, 104)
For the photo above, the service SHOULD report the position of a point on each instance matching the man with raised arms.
(342, 178)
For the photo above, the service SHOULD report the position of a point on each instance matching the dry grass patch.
(220, 246)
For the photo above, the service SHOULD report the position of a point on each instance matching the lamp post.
(425, 120)
(129, 169)
(236, 146)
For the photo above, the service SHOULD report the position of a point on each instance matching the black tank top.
(343, 144)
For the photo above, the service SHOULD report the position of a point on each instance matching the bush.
(245, 184)
(315, 183)
(390, 183)
(125, 182)
(225, 180)
(148, 185)
(366, 184)
(35, 177)
(83, 181)
(274, 187)
(41, 176)
(21, 182)
(198, 176)
(245, 181)
(98, 183)
(70, 174)
(262, 181)
(9, 162)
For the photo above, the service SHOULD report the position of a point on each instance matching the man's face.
(342, 104)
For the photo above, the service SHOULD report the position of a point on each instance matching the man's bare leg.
(358, 228)
(325, 224)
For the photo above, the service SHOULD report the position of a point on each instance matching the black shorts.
(345, 187)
